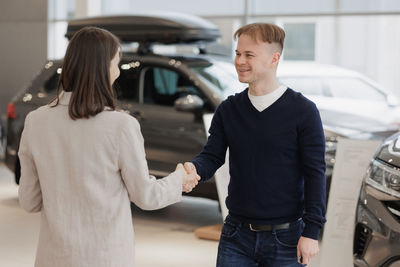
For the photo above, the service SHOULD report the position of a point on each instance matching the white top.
(263, 101)
(81, 175)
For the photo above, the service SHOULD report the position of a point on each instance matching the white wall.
(204, 7)
(23, 45)
(387, 53)
(291, 6)
(369, 45)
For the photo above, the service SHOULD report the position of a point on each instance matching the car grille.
(362, 237)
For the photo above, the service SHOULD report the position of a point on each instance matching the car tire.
(17, 171)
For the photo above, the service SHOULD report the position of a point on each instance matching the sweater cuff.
(197, 170)
(311, 230)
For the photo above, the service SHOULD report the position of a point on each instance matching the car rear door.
(171, 136)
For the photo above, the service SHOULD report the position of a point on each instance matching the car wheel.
(17, 171)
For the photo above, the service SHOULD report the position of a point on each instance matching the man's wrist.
(311, 231)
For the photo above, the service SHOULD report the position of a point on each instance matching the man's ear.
(275, 58)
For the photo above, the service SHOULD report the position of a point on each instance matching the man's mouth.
(243, 70)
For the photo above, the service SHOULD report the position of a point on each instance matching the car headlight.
(330, 150)
(330, 145)
(384, 178)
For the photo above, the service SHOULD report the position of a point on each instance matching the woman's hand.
(190, 178)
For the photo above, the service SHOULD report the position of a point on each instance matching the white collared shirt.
(264, 101)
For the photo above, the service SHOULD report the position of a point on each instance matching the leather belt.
(268, 227)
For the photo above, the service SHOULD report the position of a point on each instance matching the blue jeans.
(241, 247)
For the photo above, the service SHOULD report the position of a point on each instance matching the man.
(276, 194)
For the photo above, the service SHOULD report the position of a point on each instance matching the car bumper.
(377, 232)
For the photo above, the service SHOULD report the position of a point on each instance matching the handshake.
(190, 176)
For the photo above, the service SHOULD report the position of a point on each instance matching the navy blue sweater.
(276, 160)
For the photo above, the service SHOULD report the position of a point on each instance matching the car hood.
(355, 126)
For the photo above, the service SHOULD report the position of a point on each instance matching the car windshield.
(221, 75)
(354, 88)
(306, 85)
(337, 87)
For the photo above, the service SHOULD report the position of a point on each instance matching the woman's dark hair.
(86, 72)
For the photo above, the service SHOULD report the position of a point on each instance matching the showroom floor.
(163, 238)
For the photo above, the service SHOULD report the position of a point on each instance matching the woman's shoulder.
(38, 112)
(112, 118)
(121, 118)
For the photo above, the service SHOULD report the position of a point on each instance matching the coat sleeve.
(29, 192)
(144, 190)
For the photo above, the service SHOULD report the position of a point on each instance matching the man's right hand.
(189, 167)
(190, 178)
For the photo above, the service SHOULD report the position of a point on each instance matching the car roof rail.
(162, 28)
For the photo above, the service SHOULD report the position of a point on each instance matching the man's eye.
(248, 55)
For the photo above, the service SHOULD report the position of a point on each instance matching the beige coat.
(81, 175)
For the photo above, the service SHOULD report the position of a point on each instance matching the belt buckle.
(252, 229)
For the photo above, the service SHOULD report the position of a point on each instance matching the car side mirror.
(189, 103)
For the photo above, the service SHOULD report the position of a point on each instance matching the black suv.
(167, 94)
(1, 139)
(377, 232)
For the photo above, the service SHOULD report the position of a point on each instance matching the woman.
(82, 163)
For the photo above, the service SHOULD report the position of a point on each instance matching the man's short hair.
(265, 32)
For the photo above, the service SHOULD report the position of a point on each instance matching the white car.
(341, 90)
(343, 93)
(351, 105)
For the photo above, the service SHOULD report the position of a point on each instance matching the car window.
(222, 75)
(163, 86)
(127, 84)
(354, 88)
(305, 85)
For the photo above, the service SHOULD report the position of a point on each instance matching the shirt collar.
(64, 98)
(272, 95)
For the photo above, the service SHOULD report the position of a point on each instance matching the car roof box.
(164, 28)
